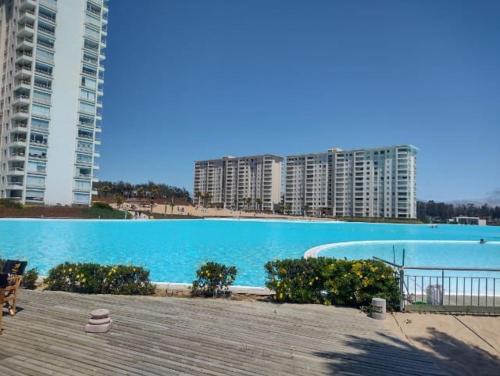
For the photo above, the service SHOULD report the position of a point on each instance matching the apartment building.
(239, 183)
(52, 54)
(376, 182)
(308, 184)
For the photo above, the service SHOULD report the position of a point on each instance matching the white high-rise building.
(308, 183)
(376, 182)
(52, 57)
(238, 183)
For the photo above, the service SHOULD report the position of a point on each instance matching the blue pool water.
(173, 249)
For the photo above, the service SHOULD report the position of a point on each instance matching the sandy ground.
(467, 345)
(189, 210)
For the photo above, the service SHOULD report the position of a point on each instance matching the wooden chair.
(10, 283)
(8, 295)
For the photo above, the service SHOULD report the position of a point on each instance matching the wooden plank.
(162, 336)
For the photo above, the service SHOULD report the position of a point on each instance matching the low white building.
(463, 220)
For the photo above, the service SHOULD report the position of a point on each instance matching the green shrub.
(29, 278)
(101, 205)
(330, 281)
(213, 279)
(297, 280)
(90, 278)
(8, 203)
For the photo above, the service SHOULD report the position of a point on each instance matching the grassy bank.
(60, 212)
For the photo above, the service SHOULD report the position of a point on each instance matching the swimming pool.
(174, 249)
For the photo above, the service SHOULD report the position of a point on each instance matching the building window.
(89, 83)
(82, 185)
(39, 124)
(40, 110)
(35, 181)
(82, 158)
(41, 97)
(81, 198)
(87, 108)
(34, 195)
(44, 55)
(36, 167)
(88, 96)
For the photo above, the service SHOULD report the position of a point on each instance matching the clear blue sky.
(197, 79)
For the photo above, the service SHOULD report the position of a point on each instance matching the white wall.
(64, 109)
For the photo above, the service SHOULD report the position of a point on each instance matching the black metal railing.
(448, 289)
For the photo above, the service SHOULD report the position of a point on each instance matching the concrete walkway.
(465, 345)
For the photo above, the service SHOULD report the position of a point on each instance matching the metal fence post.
(401, 290)
(442, 287)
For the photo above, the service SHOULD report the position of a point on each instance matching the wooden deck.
(172, 336)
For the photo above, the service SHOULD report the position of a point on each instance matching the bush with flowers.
(213, 279)
(331, 281)
(90, 278)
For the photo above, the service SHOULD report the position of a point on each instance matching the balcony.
(25, 30)
(20, 113)
(21, 99)
(17, 156)
(27, 4)
(18, 142)
(22, 84)
(16, 171)
(24, 57)
(25, 43)
(23, 72)
(19, 127)
(15, 184)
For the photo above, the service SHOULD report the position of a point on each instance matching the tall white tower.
(51, 62)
